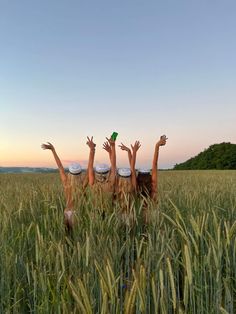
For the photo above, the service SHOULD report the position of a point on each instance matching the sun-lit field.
(183, 261)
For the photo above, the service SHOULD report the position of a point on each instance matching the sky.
(71, 69)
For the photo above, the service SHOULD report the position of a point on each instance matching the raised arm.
(128, 150)
(112, 155)
(58, 162)
(68, 211)
(92, 146)
(135, 148)
(107, 148)
(161, 142)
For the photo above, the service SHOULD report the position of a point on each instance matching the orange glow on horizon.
(34, 156)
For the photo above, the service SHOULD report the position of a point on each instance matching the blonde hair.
(101, 192)
(101, 177)
(102, 182)
(123, 185)
(77, 183)
(76, 180)
(124, 196)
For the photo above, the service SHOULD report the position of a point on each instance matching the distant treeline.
(217, 156)
(26, 170)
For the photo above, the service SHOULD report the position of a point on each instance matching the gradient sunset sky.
(74, 68)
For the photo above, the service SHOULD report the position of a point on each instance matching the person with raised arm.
(132, 160)
(90, 170)
(73, 182)
(102, 179)
(110, 147)
(127, 184)
(154, 189)
(147, 180)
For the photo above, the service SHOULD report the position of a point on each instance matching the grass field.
(184, 261)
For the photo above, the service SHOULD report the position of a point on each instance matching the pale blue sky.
(69, 69)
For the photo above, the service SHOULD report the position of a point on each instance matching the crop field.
(182, 261)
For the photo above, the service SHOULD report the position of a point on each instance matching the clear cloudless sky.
(72, 68)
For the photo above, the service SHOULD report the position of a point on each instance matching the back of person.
(125, 196)
(102, 191)
(102, 182)
(144, 183)
(124, 187)
(77, 184)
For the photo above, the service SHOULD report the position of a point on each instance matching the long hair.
(101, 193)
(144, 183)
(124, 195)
(101, 177)
(76, 180)
(102, 182)
(123, 185)
(77, 184)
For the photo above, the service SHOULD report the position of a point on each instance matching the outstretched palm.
(136, 146)
(107, 147)
(123, 147)
(47, 146)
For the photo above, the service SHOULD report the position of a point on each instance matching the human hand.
(107, 147)
(90, 143)
(136, 146)
(162, 141)
(111, 141)
(123, 147)
(48, 146)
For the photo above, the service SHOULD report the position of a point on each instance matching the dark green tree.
(217, 156)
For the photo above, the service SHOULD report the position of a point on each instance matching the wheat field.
(182, 261)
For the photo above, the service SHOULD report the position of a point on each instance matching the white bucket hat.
(144, 170)
(124, 172)
(102, 168)
(75, 168)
